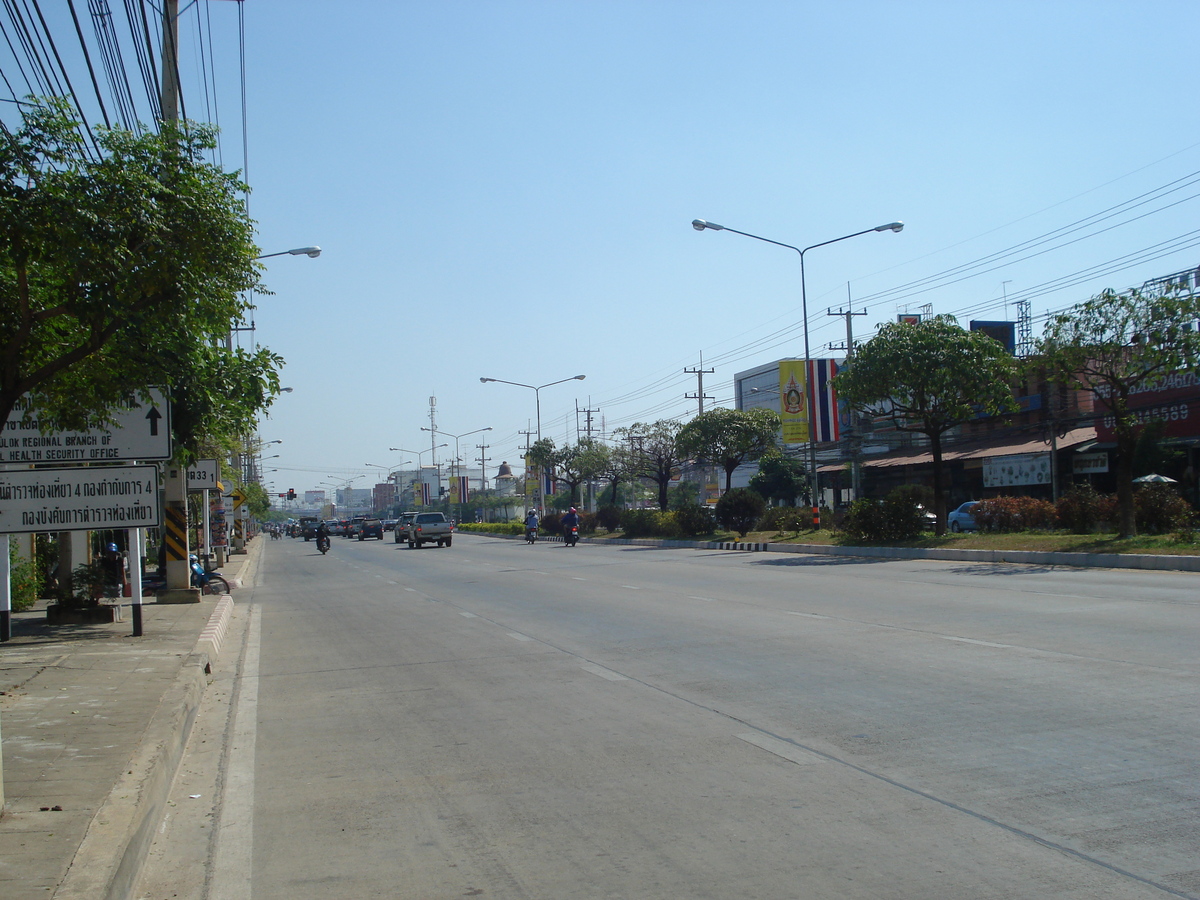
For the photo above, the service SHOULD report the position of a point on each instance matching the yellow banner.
(793, 401)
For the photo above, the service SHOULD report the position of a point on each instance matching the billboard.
(1173, 399)
(1003, 332)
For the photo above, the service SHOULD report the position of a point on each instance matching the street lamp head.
(311, 252)
(486, 380)
(580, 377)
(891, 226)
(700, 225)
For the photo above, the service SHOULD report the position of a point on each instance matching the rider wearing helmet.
(570, 519)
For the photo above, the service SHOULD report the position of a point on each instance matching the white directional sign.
(70, 499)
(142, 433)
(202, 475)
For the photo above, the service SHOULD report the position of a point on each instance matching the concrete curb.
(1024, 557)
(118, 839)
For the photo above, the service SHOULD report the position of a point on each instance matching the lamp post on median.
(420, 464)
(541, 493)
(809, 389)
(457, 470)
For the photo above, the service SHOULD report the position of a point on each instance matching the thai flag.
(549, 484)
(820, 373)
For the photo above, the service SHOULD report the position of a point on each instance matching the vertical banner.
(459, 488)
(218, 529)
(420, 493)
(793, 401)
(825, 398)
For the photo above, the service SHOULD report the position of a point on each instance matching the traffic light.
(291, 494)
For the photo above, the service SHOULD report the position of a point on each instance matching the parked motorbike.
(208, 582)
(571, 536)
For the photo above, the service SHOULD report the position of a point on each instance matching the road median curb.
(1149, 561)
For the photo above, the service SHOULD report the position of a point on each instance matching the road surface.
(510, 721)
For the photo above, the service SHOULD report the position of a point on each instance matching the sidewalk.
(93, 724)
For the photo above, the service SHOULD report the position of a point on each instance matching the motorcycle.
(323, 543)
(208, 582)
(531, 535)
(571, 536)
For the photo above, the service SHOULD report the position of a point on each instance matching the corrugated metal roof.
(1008, 445)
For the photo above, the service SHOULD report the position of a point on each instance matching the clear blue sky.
(505, 189)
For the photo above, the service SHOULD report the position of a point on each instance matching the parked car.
(961, 518)
(400, 532)
(370, 527)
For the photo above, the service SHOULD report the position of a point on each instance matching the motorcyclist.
(322, 532)
(531, 523)
(570, 519)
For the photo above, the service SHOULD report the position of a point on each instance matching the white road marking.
(467, 615)
(705, 599)
(808, 615)
(632, 587)
(412, 590)
(234, 851)
(602, 672)
(577, 578)
(962, 640)
(516, 636)
(782, 749)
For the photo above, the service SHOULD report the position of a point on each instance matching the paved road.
(508, 721)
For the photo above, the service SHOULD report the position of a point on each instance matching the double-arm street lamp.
(457, 461)
(419, 454)
(538, 398)
(810, 388)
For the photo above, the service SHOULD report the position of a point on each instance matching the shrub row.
(1158, 508)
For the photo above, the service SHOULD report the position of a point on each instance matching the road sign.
(203, 476)
(78, 499)
(238, 497)
(141, 433)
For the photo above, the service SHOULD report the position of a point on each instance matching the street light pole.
(420, 465)
(457, 470)
(810, 389)
(541, 492)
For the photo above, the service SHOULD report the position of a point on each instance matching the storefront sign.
(1016, 470)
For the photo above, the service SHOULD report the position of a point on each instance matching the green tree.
(578, 463)
(1116, 345)
(927, 378)
(654, 453)
(780, 478)
(729, 437)
(123, 270)
(740, 509)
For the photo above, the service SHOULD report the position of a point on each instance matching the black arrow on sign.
(154, 415)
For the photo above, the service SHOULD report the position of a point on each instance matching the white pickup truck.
(430, 528)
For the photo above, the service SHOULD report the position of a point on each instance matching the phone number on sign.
(1176, 413)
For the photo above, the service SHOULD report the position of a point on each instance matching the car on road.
(389, 524)
(370, 527)
(430, 528)
(352, 527)
(961, 519)
(400, 532)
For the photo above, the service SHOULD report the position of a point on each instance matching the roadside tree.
(927, 378)
(1116, 345)
(729, 437)
(779, 478)
(122, 270)
(654, 453)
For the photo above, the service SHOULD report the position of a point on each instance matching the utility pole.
(853, 438)
(699, 395)
(483, 460)
(525, 456)
(178, 550)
